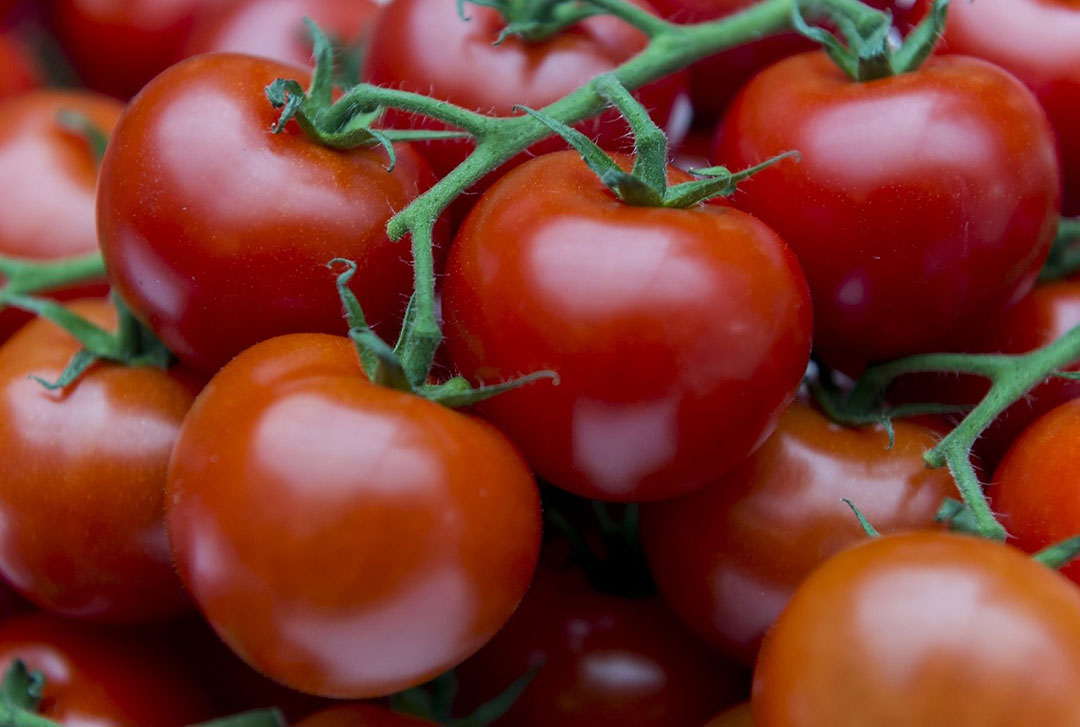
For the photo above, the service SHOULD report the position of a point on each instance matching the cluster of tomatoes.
(284, 513)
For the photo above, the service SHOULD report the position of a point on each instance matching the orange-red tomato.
(18, 72)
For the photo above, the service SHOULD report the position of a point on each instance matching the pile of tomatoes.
(650, 528)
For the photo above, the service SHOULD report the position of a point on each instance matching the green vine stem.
(34, 276)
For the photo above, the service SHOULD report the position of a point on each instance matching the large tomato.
(345, 539)
(102, 679)
(218, 232)
(119, 45)
(1036, 40)
(48, 175)
(679, 335)
(275, 28)
(928, 629)
(923, 203)
(727, 558)
(82, 488)
(602, 660)
(18, 72)
(423, 46)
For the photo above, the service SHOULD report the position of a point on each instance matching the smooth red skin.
(1036, 488)
(606, 662)
(275, 28)
(344, 539)
(1035, 40)
(928, 629)
(83, 483)
(49, 176)
(218, 232)
(727, 558)
(423, 46)
(922, 203)
(97, 678)
(18, 72)
(735, 717)
(117, 46)
(654, 319)
(361, 715)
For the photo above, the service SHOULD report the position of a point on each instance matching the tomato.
(923, 203)
(360, 715)
(604, 661)
(119, 45)
(656, 320)
(735, 717)
(1036, 41)
(18, 72)
(48, 174)
(275, 29)
(344, 539)
(1037, 486)
(218, 232)
(101, 678)
(423, 46)
(928, 629)
(83, 482)
(727, 558)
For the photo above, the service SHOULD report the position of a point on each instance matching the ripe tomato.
(18, 72)
(736, 717)
(655, 320)
(218, 232)
(101, 678)
(727, 558)
(119, 45)
(83, 482)
(48, 175)
(1037, 485)
(275, 28)
(928, 629)
(923, 202)
(423, 46)
(360, 715)
(1036, 40)
(604, 661)
(344, 539)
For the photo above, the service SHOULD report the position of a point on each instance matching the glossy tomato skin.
(728, 557)
(922, 203)
(654, 319)
(929, 629)
(604, 661)
(218, 232)
(49, 175)
(425, 47)
(1036, 488)
(18, 72)
(361, 715)
(117, 46)
(1035, 40)
(275, 28)
(102, 678)
(735, 717)
(344, 539)
(83, 484)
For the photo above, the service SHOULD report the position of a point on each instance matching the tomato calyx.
(868, 54)
(1064, 256)
(534, 21)
(434, 701)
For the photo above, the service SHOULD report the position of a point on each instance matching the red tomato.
(655, 320)
(727, 558)
(923, 202)
(218, 233)
(604, 661)
(83, 482)
(100, 678)
(736, 717)
(119, 45)
(48, 175)
(275, 28)
(423, 46)
(928, 629)
(344, 539)
(1037, 486)
(1036, 40)
(360, 715)
(18, 72)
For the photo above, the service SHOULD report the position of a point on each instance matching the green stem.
(366, 96)
(34, 276)
(649, 24)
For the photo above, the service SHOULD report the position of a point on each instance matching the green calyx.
(81, 125)
(434, 701)
(868, 529)
(534, 21)
(867, 53)
(1064, 256)
(384, 365)
(646, 185)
